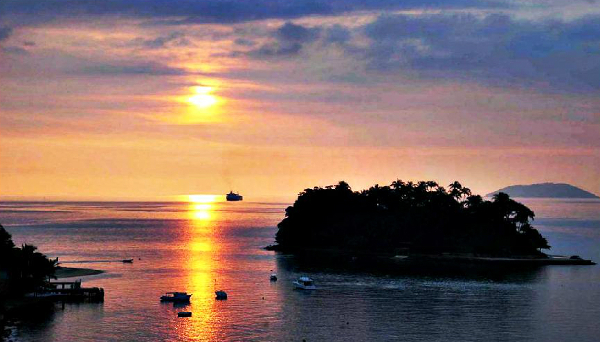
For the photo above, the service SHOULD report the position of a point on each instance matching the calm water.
(199, 247)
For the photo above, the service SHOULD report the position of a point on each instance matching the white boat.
(175, 297)
(304, 283)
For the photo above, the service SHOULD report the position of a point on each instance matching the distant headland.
(415, 220)
(545, 190)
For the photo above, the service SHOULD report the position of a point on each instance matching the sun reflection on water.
(200, 199)
(200, 212)
(202, 248)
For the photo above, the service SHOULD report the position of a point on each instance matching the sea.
(208, 244)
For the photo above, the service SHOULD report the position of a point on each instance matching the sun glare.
(201, 104)
(202, 97)
(202, 198)
(201, 207)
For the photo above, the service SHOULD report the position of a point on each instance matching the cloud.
(244, 42)
(14, 50)
(128, 68)
(495, 48)
(289, 40)
(213, 11)
(5, 32)
(290, 32)
(274, 49)
(337, 34)
(174, 39)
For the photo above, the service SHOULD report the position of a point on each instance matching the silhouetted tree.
(26, 267)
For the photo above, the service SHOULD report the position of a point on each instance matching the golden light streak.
(201, 206)
(202, 215)
(201, 247)
(202, 198)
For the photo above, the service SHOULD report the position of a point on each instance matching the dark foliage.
(25, 268)
(423, 217)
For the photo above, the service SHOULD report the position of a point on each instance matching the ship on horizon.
(233, 196)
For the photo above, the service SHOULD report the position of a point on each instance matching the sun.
(203, 97)
(201, 105)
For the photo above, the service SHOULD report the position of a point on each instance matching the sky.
(150, 99)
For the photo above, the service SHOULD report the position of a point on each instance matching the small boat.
(221, 295)
(127, 261)
(184, 314)
(273, 277)
(304, 283)
(176, 297)
(233, 196)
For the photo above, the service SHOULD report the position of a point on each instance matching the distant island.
(412, 219)
(545, 190)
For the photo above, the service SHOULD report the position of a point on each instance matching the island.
(408, 221)
(545, 190)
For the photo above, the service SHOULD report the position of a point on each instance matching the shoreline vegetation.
(24, 270)
(409, 223)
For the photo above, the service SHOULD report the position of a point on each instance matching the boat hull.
(232, 197)
(175, 299)
(299, 286)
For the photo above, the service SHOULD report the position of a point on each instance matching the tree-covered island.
(409, 218)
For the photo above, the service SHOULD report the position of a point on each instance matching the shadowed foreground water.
(203, 246)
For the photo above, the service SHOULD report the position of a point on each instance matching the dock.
(69, 291)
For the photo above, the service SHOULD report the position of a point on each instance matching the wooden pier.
(70, 291)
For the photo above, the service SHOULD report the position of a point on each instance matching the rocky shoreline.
(432, 259)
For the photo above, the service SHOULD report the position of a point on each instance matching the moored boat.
(221, 295)
(175, 297)
(304, 283)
